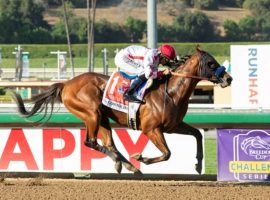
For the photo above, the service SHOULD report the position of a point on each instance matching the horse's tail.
(40, 102)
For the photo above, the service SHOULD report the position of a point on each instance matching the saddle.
(113, 96)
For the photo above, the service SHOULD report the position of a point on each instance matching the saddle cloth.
(113, 96)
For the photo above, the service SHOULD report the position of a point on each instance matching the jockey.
(142, 63)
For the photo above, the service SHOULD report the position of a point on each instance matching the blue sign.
(243, 155)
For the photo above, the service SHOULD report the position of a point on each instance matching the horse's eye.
(211, 65)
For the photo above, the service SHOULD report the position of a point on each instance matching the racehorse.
(166, 104)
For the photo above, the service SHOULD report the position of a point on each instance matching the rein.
(190, 76)
(219, 71)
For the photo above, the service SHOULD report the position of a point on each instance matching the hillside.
(119, 14)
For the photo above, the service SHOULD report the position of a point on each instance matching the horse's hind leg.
(92, 129)
(88, 110)
(106, 149)
(93, 126)
(107, 140)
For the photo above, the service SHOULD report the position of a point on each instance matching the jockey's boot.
(128, 96)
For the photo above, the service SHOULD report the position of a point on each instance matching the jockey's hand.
(167, 71)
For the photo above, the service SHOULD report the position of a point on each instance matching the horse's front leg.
(157, 138)
(186, 129)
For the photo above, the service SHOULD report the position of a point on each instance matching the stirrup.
(131, 98)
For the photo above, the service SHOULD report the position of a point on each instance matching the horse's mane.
(163, 79)
(184, 59)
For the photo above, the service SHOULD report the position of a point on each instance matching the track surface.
(41, 188)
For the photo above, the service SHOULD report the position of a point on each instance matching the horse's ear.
(198, 48)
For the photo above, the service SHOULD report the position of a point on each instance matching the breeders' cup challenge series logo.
(251, 156)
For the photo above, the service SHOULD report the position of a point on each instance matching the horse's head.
(209, 68)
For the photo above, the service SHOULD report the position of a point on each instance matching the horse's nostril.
(229, 80)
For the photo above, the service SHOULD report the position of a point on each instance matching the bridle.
(219, 71)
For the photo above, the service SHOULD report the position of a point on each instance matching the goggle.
(168, 61)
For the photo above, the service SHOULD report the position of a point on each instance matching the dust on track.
(44, 188)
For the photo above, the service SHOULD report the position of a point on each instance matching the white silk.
(138, 60)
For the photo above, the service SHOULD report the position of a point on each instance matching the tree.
(77, 27)
(232, 30)
(206, 4)
(258, 8)
(234, 3)
(32, 13)
(41, 36)
(195, 27)
(135, 29)
(10, 19)
(109, 32)
(59, 33)
(20, 20)
(167, 33)
(265, 26)
(54, 2)
(248, 27)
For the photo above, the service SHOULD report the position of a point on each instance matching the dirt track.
(39, 188)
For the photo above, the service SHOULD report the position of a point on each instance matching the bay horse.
(166, 104)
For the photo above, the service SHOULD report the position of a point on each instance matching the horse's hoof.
(130, 167)
(138, 173)
(136, 156)
(118, 166)
(199, 168)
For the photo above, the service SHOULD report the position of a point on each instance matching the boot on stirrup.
(131, 98)
(128, 96)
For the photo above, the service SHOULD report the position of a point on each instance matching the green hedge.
(43, 51)
(80, 50)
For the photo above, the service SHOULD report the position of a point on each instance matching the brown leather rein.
(191, 76)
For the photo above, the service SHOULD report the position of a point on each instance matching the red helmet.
(167, 51)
